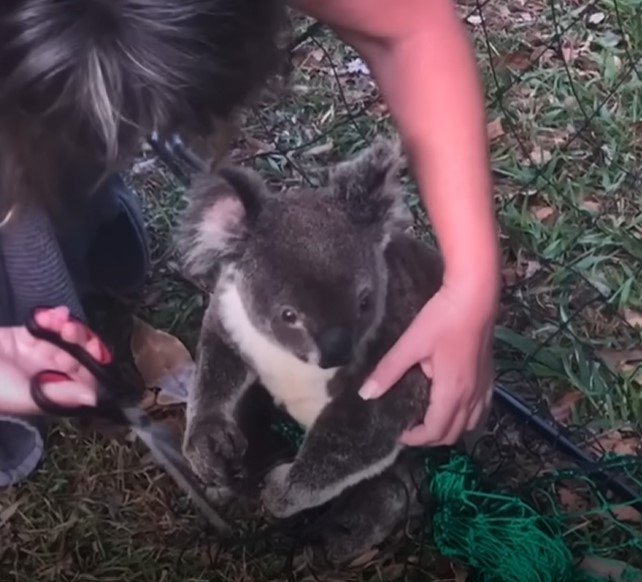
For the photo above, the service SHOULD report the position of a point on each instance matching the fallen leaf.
(591, 204)
(357, 66)
(174, 387)
(474, 19)
(596, 17)
(519, 61)
(543, 213)
(7, 513)
(612, 570)
(568, 54)
(495, 129)
(616, 442)
(511, 275)
(532, 267)
(624, 362)
(633, 317)
(561, 410)
(163, 362)
(571, 500)
(317, 150)
(259, 147)
(540, 156)
(317, 54)
(618, 358)
(627, 513)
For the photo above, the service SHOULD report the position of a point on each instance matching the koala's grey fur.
(339, 259)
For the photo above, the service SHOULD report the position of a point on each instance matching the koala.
(308, 289)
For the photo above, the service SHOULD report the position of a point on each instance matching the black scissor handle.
(112, 390)
(108, 405)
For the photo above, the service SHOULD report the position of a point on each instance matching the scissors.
(117, 402)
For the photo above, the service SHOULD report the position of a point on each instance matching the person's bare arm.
(420, 56)
(423, 62)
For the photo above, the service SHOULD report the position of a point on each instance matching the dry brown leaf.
(543, 213)
(519, 61)
(613, 570)
(317, 150)
(510, 275)
(571, 500)
(591, 204)
(495, 129)
(540, 156)
(532, 267)
(623, 362)
(619, 358)
(7, 513)
(633, 317)
(616, 442)
(568, 54)
(317, 54)
(163, 362)
(258, 146)
(561, 410)
(627, 513)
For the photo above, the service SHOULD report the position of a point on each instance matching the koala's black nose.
(335, 345)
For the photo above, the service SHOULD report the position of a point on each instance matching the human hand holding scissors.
(116, 400)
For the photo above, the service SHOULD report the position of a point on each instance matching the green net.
(505, 539)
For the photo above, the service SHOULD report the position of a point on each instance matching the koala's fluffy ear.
(217, 219)
(368, 187)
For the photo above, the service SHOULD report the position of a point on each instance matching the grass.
(564, 99)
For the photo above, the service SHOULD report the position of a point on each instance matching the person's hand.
(451, 339)
(22, 356)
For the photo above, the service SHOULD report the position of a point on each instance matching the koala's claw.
(216, 452)
(276, 494)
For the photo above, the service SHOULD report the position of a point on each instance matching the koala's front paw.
(277, 495)
(215, 451)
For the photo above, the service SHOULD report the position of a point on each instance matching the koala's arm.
(220, 380)
(213, 442)
(351, 441)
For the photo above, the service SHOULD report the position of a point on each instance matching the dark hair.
(89, 79)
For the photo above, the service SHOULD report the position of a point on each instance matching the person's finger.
(52, 319)
(68, 393)
(404, 354)
(442, 412)
(73, 333)
(15, 397)
(65, 363)
(476, 416)
(456, 429)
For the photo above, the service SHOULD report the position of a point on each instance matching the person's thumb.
(404, 354)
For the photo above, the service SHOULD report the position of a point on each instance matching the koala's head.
(307, 264)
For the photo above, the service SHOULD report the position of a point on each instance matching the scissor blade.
(165, 450)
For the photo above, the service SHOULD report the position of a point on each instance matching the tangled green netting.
(501, 538)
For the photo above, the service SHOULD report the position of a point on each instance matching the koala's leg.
(213, 442)
(351, 441)
(374, 509)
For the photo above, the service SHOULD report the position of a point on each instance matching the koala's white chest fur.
(300, 387)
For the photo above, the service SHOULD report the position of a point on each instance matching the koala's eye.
(289, 316)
